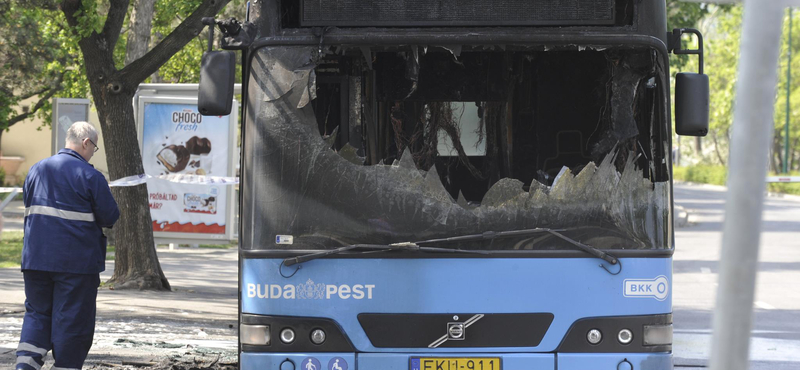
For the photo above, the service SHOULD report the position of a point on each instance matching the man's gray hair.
(79, 131)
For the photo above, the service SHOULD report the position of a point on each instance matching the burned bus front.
(445, 197)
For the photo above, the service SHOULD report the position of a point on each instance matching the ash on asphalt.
(127, 343)
(174, 363)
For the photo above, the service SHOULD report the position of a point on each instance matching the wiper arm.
(405, 246)
(490, 235)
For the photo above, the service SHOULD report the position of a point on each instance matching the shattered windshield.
(386, 145)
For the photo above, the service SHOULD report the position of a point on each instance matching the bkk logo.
(310, 290)
(657, 288)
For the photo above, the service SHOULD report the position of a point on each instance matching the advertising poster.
(65, 113)
(177, 139)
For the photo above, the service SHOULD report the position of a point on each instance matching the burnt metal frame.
(472, 38)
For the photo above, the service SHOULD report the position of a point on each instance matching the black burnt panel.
(421, 330)
(389, 13)
(575, 340)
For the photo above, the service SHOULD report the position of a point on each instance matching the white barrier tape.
(9, 190)
(179, 178)
(783, 179)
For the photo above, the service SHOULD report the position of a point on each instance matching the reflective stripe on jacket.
(67, 203)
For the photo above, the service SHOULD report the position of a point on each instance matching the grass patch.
(219, 246)
(11, 249)
(785, 187)
(18, 197)
(205, 246)
(718, 175)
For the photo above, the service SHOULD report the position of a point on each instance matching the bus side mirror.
(217, 76)
(691, 104)
(691, 90)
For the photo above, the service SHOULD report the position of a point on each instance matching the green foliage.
(89, 20)
(794, 94)
(37, 46)
(683, 14)
(785, 187)
(184, 66)
(722, 30)
(718, 175)
(38, 55)
(679, 173)
(704, 174)
(11, 249)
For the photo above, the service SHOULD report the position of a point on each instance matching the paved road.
(776, 334)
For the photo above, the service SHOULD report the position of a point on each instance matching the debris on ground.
(217, 362)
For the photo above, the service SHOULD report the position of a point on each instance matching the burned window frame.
(661, 171)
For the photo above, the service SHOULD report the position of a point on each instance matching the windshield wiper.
(490, 235)
(405, 246)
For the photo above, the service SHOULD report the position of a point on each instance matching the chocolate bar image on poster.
(174, 157)
(198, 146)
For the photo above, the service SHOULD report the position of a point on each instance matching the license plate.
(455, 363)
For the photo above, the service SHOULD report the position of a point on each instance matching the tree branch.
(143, 67)
(113, 26)
(69, 7)
(34, 93)
(39, 105)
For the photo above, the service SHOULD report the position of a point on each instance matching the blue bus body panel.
(301, 361)
(569, 288)
(611, 361)
(510, 361)
(400, 361)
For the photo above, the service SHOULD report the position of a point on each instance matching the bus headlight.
(317, 336)
(657, 335)
(287, 335)
(594, 336)
(254, 334)
(625, 336)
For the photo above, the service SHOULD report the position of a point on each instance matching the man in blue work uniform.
(67, 203)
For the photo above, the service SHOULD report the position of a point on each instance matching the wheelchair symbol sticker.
(337, 363)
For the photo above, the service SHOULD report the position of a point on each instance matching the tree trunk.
(136, 259)
(716, 148)
(136, 262)
(139, 33)
(776, 159)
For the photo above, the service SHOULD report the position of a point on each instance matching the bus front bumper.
(403, 361)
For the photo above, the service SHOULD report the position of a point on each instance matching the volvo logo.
(456, 330)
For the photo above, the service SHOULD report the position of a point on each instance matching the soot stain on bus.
(369, 145)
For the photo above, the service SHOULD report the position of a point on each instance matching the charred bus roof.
(454, 18)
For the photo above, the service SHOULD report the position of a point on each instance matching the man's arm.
(104, 206)
(27, 186)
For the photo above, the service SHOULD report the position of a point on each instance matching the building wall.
(32, 141)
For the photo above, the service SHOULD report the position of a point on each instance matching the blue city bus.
(471, 185)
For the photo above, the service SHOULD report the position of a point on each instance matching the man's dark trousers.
(65, 301)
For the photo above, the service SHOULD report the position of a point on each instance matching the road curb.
(680, 216)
